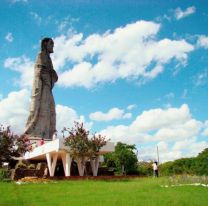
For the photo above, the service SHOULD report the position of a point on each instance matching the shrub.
(4, 174)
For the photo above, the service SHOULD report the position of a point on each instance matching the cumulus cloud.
(24, 66)
(170, 152)
(205, 130)
(179, 13)
(66, 117)
(131, 51)
(157, 125)
(202, 41)
(9, 37)
(14, 110)
(170, 129)
(112, 114)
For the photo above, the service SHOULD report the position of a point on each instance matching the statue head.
(47, 45)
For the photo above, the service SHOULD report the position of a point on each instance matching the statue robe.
(41, 122)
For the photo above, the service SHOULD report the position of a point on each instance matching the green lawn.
(142, 191)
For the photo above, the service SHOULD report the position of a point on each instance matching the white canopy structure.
(54, 150)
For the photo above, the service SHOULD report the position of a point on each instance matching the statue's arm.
(43, 71)
(45, 76)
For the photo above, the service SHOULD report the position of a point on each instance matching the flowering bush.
(12, 145)
(82, 148)
(81, 145)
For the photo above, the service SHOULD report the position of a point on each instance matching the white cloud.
(130, 52)
(202, 41)
(9, 37)
(14, 110)
(169, 125)
(66, 23)
(104, 58)
(66, 117)
(35, 16)
(112, 114)
(179, 13)
(24, 66)
(173, 130)
(131, 106)
(205, 130)
(169, 152)
(201, 78)
(127, 115)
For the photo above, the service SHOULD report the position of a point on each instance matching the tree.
(82, 148)
(195, 165)
(12, 145)
(124, 160)
(96, 143)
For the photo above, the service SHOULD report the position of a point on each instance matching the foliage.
(12, 145)
(195, 165)
(145, 168)
(82, 148)
(3, 174)
(81, 145)
(124, 160)
(96, 143)
(78, 141)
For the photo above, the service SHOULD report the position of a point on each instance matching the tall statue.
(41, 122)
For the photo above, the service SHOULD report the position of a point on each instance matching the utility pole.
(158, 155)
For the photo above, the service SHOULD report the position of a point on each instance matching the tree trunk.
(95, 164)
(81, 166)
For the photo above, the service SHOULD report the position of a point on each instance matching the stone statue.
(41, 122)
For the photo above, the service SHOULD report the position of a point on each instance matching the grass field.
(141, 191)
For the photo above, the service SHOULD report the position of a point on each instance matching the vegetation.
(123, 160)
(84, 148)
(195, 165)
(12, 145)
(145, 168)
(134, 192)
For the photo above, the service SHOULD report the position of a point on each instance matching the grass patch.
(142, 191)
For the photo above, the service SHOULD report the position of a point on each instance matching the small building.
(56, 150)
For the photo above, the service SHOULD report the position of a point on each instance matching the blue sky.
(135, 71)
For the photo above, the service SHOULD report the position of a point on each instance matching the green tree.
(124, 160)
(196, 165)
